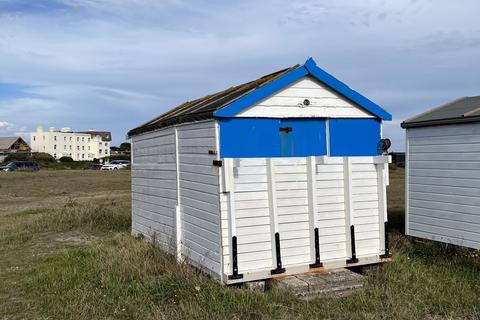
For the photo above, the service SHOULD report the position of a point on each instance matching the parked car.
(20, 166)
(116, 164)
(93, 166)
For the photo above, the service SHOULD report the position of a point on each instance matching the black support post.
(352, 240)
(317, 263)
(387, 244)
(279, 268)
(235, 274)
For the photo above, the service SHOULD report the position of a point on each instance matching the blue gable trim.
(344, 90)
(309, 68)
(261, 93)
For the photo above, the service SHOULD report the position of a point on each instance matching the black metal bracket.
(317, 263)
(352, 240)
(217, 163)
(235, 275)
(279, 268)
(387, 244)
(286, 129)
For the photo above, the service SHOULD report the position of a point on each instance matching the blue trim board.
(354, 137)
(262, 137)
(309, 68)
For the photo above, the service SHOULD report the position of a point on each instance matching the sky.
(114, 64)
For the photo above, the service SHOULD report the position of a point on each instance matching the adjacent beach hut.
(272, 177)
(443, 173)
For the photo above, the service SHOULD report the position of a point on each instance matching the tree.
(125, 146)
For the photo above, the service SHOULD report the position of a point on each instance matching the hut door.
(287, 142)
(302, 137)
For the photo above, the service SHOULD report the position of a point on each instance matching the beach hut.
(443, 173)
(277, 176)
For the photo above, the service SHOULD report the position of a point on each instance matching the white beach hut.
(443, 173)
(272, 177)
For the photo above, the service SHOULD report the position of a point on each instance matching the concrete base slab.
(255, 286)
(336, 283)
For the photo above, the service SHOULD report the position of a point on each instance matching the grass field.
(66, 253)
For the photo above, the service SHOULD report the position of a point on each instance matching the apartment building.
(81, 146)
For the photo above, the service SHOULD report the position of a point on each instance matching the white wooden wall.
(324, 103)
(286, 184)
(199, 195)
(443, 183)
(154, 186)
(184, 217)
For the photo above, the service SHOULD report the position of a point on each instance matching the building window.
(54, 147)
(64, 147)
(70, 147)
(83, 139)
(88, 139)
(83, 147)
(78, 155)
(33, 138)
(64, 138)
(54, 155)
(100, 151)
(55, 138)
(83, 155)
(43, 138)
(70, 138)
(78, 148)
(78, 139)
(100, 144)
(88, 148)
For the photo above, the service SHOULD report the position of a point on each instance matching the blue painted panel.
(354, 137)
(249, 138)
(307, 138)
(261, 137)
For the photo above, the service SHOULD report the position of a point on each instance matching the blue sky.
(111, 65)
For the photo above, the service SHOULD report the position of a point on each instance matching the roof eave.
(439, 122)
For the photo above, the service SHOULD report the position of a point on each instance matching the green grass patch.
(124, 278)
(119, 277)
(99, 216)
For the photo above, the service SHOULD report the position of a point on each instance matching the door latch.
(286, 129)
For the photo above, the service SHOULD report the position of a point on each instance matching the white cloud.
(6, 126)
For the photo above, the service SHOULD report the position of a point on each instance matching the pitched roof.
(7, 142)
(231, 101)
(466, 109)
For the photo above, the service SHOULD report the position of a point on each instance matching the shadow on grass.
(396, 219)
